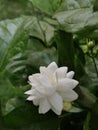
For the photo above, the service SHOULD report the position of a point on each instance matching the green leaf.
(94, 34)
(42, 30)
(15, 55)
(39, 55)
(9, 105)
(48, 6)
(87, 121)
(10, 95)
(92, 20)
(75, 109)
(86, 98)
(73, 4)
(82, 21)
(73, 20)
(12, 33)
(94, 117)
(96, 5)
(27, 115)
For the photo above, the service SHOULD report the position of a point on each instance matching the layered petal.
(69, 95)
(45, 87)
(36, 102)
(44, 106)
(70, 74)
(44, 71)
(66, 84)
(56, 103)
(61, 72)
(52, 67)
(30, 98)
(29, 92)
(32, 78)
(44, 81)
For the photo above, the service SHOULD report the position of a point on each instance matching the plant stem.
(95, 66)
(93, 58)
(65, 47)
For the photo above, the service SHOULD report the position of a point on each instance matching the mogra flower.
(51, 87)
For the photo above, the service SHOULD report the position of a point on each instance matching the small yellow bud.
(91, 44)
(67, 106)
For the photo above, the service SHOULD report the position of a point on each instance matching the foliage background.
(35, 34)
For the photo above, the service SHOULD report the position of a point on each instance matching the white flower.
(51, 87)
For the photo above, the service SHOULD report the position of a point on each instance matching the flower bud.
(91, 44)
(67, 106)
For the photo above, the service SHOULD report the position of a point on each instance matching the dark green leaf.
(39, 55)
(9, 95)
(27, 115)
(86, 98)
(87, 121)
(42, 30)
(48, 6)
(94, 117)
(96, 5)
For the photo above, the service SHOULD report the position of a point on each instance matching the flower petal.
(44, 81)
(43, 70)
(70, 95)
(46, 91)
(65, 84)
(29, 92)
(30, 98)
(61, 72)
(46, 87)
(70, 74)
(56, 103)
(33, 80)
(44, 106)
(36, 102)
(33, 77)
(46, 73)
(52, 67)
(38, 94)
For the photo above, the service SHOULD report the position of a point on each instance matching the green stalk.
(93, 58)
(95, 66)
(65, 47)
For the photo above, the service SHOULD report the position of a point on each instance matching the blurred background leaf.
(11, 9)
(48, 6)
